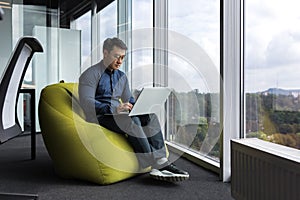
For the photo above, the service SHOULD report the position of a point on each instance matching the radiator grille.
(260, 175)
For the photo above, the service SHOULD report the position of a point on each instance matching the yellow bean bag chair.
(80, 149)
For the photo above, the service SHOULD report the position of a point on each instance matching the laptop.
(150, 100)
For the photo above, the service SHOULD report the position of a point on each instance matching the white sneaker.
(169, 173)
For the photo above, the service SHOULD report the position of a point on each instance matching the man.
(104, 94)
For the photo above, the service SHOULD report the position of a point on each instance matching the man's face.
(114, 58)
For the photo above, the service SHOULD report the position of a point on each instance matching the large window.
(83, 23)
(272, 58)
(193, 71)
(108, 21)
(104, 27)
(142, 44)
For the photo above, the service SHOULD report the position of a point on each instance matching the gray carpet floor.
(19, 174)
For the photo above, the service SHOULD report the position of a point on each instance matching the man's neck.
(105, 63)
(107, 66)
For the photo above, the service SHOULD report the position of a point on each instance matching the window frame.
(218, 167)
(231, 53)
(231, 73)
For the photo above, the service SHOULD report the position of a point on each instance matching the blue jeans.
(143, 132)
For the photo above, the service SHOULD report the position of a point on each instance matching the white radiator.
(262, 170)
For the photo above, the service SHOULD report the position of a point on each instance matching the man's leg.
(131, 127)
(162, 169)
(146, 144)
(152, 129)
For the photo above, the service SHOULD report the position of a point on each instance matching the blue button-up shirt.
(101, 90)
(112, 88)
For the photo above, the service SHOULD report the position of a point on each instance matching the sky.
(272, 44)
(187, 23)
(272, 39)
(184, 26)
(196, 21)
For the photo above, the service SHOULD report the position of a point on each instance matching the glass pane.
(104, 25)
(142, 44)
(193, 64)
(272, 72)
(108, 21)
(24, 20)
(83, 23)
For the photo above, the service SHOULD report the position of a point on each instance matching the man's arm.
(88, 82)
(127, 95)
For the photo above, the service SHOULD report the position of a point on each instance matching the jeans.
(143, 132)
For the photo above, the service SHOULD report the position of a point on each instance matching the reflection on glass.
(272, 86)
(194, 110)
(108, 21)
(83, 23)
(142, 43)
(24, 19)
(142, 68)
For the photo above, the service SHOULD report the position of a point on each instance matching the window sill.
(194, 157)
(271, 148)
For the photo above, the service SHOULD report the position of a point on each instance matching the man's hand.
(124, 107)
